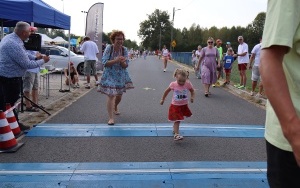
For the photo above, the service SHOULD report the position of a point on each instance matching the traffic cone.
(8, 142)
(12, 121)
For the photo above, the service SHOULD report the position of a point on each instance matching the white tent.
(45, 38)
(59, 40)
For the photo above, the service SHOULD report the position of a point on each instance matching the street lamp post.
(172, 27)
(84, 20)
(161, 25)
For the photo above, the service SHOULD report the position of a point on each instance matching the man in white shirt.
(255, 56)
(243, 60)
(90, 51)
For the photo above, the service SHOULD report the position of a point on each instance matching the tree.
(150, 30)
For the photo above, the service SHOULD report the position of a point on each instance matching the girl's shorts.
(177, 112)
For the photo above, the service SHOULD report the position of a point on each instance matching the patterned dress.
(209, 65)
(115, 80)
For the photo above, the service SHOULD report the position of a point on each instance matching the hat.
(228, 43)
(31, 28)
(219, 41)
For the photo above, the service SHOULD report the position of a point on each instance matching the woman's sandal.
(206, 94)
(110, 122)
(117, 113)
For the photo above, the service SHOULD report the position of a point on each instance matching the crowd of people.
(276, 54)
(211, 64)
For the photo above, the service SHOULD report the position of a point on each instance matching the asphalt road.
(141, 106)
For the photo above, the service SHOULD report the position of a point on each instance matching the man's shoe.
(24, 127)
(87, 87)
(237, 85)
(251, 93)
(242, 87)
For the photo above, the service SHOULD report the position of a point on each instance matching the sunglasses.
(210, 42)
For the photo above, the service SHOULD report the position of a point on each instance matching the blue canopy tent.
(36, 11)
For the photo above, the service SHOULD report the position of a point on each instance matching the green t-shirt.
(220, 49)
(282, 27)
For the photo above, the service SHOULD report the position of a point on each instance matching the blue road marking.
(135, 174)
(150, 130)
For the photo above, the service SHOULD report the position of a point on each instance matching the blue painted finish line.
(124, 130)
(134, 174)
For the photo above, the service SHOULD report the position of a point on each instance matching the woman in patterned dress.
(115, 79)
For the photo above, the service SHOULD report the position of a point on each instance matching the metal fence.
(186, 58)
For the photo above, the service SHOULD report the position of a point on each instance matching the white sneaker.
(252, 93)
(258, 95)
(164, 70)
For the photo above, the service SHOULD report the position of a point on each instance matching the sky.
(126, 15)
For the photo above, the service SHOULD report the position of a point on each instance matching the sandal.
(117, 113)
(31, 109)
(206, 94)
(110, 122)
(177, 137)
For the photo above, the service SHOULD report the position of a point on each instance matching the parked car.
(59, 57)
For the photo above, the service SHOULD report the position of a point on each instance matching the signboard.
(173, 43)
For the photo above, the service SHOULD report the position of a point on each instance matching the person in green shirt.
(279, 68)
(220, 68)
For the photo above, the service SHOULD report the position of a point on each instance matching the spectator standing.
(14, 62)
(220, 68)
(90, 51)
(208, 58)
(228, 61)
(243, 60)
(255, 56)
(115, 79)
(179, 105)
(280, 57)
(31, 80)
(198, 51)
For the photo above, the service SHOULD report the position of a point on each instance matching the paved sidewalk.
(58, 98)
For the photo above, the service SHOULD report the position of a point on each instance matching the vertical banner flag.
(94, 27)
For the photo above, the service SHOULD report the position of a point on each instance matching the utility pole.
(172, 25)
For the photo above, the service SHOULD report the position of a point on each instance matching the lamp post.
(161, 25)
(172, 27)
(84, 19)
(63, 6)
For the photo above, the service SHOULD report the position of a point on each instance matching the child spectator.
(228, 60)
(179, 105)
(73, 74)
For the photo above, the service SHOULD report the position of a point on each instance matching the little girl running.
(179, 105)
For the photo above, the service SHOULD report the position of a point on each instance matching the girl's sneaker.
(177, 137)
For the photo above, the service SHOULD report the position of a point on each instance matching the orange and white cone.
(8, 142)
(13, 123)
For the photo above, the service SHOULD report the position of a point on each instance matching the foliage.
(188, 39)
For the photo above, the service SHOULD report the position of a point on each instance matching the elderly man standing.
(14, 62)
(243, 60)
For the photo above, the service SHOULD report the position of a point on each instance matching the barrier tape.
(11, 108)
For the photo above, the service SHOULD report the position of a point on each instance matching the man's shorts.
(90, 65)
(31, 81)
(255, 73)
(242, 66)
